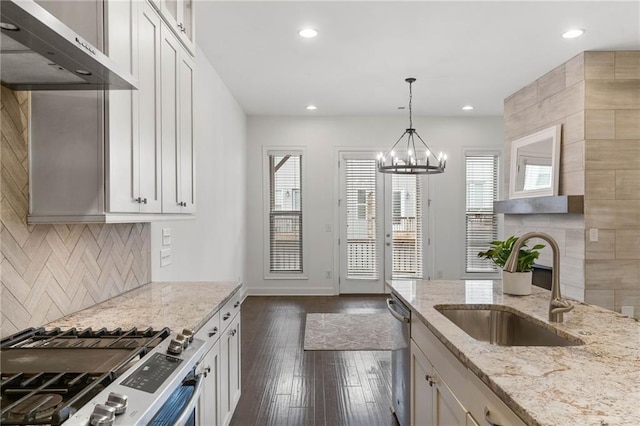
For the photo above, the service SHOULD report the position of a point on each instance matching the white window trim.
(266, 248)
(468, 151)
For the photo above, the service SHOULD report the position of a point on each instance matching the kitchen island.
(591, 384)
(176, 305)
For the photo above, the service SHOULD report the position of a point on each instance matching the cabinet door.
(169, 118)
(230, 371)
(186, 142)
(188, 25)
(148, 108)
(421, 388)
(234, 366)
(180, 17)
(448, 410)
(121, 127)
(208, 405)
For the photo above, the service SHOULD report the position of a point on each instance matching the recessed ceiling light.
(308, 32)
(467, 108)
(311, 107)
(573, 33)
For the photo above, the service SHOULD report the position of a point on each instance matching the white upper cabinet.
(178, 154)
(180, 17)
(134, 116)
(104, 156)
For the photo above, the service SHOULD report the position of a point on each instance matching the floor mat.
(349, 332)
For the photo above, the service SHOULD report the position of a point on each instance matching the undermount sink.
(504, 326)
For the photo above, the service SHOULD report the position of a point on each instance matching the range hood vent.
(38, 52)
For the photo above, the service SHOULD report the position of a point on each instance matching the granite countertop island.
(176, 305)
(593, 384)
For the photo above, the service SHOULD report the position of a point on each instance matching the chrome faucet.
(557, 305)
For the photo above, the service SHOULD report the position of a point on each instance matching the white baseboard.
(288, 291)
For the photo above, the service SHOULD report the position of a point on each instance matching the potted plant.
(518, 282)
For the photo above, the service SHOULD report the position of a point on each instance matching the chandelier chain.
(410, 105)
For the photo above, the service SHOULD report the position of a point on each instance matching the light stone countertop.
(176, 305)
(594, 384)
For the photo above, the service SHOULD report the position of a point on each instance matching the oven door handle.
(188, 408)
(395, 313)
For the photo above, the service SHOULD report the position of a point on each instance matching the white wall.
(213, 246)
(322, 136)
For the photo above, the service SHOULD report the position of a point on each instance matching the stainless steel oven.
(162, 389)
(401, 361)
(100, 377)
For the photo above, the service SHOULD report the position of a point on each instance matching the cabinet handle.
(182, 27)
(233, 332)
(138, 200)
(182, 204)
(235, 305)
(429, 379)
(488, 419)
(226, 316)
(213, 332)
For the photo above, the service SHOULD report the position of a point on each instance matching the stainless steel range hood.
(38, 52)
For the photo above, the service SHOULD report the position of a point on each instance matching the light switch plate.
(166, 236)
(593, 235)
(165, 257)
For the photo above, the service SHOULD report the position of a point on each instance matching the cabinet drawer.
(482, 399)
(211, 329)
(229, 310)
(450, 369)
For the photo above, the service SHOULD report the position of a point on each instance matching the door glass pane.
(362, 224)
(406, 218)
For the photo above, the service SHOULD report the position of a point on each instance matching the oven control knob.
(188, 333)
(184, 339)
(175, 347)
(117, 401)
(102, 415)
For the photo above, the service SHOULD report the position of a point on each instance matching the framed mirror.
(535, 164)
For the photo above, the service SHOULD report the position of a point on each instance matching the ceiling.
(461, 53)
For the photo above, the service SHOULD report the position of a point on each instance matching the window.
(285, 213)
(481, 222)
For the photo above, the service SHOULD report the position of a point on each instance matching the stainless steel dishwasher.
(401, 361)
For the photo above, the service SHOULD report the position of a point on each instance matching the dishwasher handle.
(400, 317)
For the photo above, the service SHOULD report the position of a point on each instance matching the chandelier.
(409, 159)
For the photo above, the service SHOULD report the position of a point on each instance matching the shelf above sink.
(541, 205)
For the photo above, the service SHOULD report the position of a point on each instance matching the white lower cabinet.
(230, 372)
(445, 393)
(434, 403)
(209, 403)
(221, 365)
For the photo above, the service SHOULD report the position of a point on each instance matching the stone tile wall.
(555, 98)
(48, 271)
(599, 108)
(612, 178)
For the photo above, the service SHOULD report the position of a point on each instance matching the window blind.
(406, 210)
(481, 222)
(362, 223)
(285, 213)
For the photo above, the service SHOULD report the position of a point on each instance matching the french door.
(381, 225)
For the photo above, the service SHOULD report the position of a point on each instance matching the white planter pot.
(518, 283)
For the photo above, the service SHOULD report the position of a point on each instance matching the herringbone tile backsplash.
(49, 271)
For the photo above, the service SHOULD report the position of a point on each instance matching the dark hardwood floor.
(284, 385)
